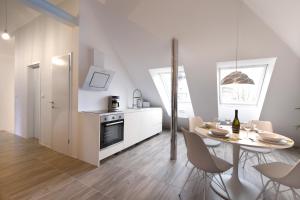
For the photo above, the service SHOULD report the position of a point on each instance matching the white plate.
(219, 132)
(269, 136)
(218, 136)
(280, 142)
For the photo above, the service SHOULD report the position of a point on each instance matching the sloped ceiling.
(141, 32)
(18, 14)
(283, 16)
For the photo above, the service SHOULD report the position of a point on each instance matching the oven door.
(111, 132)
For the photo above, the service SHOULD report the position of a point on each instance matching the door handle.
(52, 104)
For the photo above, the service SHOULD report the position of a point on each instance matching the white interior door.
(60, 103)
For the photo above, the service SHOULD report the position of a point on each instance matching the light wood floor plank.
(31, 171)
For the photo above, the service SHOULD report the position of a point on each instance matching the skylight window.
(248, 99)
(162, 80)
(242, 94)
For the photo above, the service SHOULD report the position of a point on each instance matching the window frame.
(161, 89)
(250, 111)
(241, 67)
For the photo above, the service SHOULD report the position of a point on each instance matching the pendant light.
(5, 35)
(237, 77)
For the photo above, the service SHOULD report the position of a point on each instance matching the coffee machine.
(113, 103)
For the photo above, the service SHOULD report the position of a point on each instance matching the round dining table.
(237, 187)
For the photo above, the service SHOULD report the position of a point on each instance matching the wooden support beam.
(173, 153)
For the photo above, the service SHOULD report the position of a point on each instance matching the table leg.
(236, 157)
(236, 187)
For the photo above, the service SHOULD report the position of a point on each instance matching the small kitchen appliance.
(114, 103)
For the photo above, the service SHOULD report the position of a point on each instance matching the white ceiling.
(18, 14)
(283, 16)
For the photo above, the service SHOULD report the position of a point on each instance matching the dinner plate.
(218, 136)
(271, 137)
(279, 142)
(219, 131)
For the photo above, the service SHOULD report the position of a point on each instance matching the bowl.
(219, 132)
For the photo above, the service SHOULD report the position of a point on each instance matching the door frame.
(33, 66)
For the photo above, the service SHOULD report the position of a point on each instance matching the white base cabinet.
(139, 124)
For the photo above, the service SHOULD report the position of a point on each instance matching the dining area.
(252, 147)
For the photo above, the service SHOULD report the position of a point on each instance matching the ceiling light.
(5, 35)
(237, 77)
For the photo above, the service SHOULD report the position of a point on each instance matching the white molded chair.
(198, 121)
(281, 174)
(198, 154)
(259, 153)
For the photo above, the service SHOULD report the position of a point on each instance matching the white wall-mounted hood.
(98, 79)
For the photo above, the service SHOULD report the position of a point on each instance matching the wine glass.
(227, 121)
(248, 127)
(217, 122)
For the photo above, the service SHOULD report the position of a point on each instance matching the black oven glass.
(111, 132)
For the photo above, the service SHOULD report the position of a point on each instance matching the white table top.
(243, 139)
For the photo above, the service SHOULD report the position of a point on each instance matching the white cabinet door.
(141, 125)
(132, 128)
(147, 121)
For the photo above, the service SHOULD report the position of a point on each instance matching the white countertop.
(128, 110)
(139, 109)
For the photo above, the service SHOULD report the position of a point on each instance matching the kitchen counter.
(128, 110)
(139, 124)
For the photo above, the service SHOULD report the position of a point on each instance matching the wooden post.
(173, 152)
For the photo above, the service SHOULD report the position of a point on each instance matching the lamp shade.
(237, 77)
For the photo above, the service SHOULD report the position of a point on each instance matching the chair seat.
(211, 143)
(221, 164)
(256, 149)
(275, 170)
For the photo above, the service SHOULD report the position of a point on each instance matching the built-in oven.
(112, 129)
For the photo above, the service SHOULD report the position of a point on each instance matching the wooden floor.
(31, 171)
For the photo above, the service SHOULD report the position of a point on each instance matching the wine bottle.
(236, 123)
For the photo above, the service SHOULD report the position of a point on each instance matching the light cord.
(237, 35)
(5, 2)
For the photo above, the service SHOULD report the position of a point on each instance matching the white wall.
(93, 35)
(7, 94)
(141, 33)
(39, 41)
